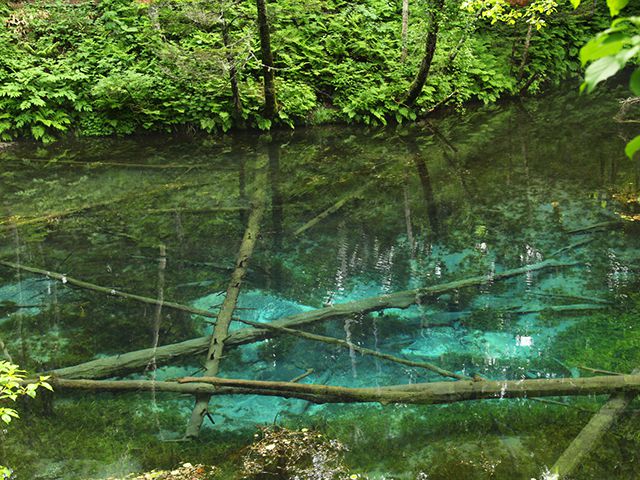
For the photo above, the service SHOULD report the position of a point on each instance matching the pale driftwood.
(129, 362)
(356, 348)
(225, 316)
(590, 436)
(65, 279)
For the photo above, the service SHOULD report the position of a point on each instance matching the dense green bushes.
(120, 66)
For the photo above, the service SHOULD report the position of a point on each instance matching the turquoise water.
(492, 189)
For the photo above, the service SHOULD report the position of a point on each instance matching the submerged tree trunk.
(427, 59)
(221, 329)
(417, 393)
(592, 433)
(267, 61)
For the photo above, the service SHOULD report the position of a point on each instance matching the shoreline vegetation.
(120, 67)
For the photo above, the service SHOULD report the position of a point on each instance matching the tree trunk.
(417, 393)
(221, 329)
(405, 29)
(267, 61)
(427, 59)
(132, 361)
(233, 73)
(590, 435)
(525, 53)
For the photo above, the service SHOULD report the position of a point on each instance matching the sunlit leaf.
(600, 70)
(632, 147)
(616, 5)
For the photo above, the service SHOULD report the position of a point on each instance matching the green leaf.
(632, 147)
(600, 70)
(602, 46)
(634, 82)
(616, 5)
(575, 3)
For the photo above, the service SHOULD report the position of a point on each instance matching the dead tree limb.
(225, 316)
(589, 437)
(417, 393)
(596, 226)
(129, 362)
(359, 349)
(107, 290)
(325, 213)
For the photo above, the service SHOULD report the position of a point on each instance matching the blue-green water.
(473, 194)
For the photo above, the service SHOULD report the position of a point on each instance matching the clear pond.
(462, 196)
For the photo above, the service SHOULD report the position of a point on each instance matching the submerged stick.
(65, 279)
(573, 246)
(225, 316)
(359, 349)
(596, 226)
(118, 364)
(324, 214)
(579, 307)
(589, 437)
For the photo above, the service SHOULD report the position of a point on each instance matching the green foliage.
(11, 388)
(609, 52)
(119, 66)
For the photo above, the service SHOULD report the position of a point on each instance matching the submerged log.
(65, 279)
(362, 350)
(418, 393)
(596, 226)
(325, 213)
(589, 437)
(128, 362)
(225, 316)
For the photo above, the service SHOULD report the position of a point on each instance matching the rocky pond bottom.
(348, 215)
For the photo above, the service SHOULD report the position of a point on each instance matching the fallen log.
(129, 362)
(356, 348)
(589, 437)
(325, 213)
(65, 279)
(596, 226)
(418, 393)
(229, 304)
(19, 221)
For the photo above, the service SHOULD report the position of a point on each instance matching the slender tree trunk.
(525, 53)
(267, 61)
(405, 28)
(427, 59)
(233, 73)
